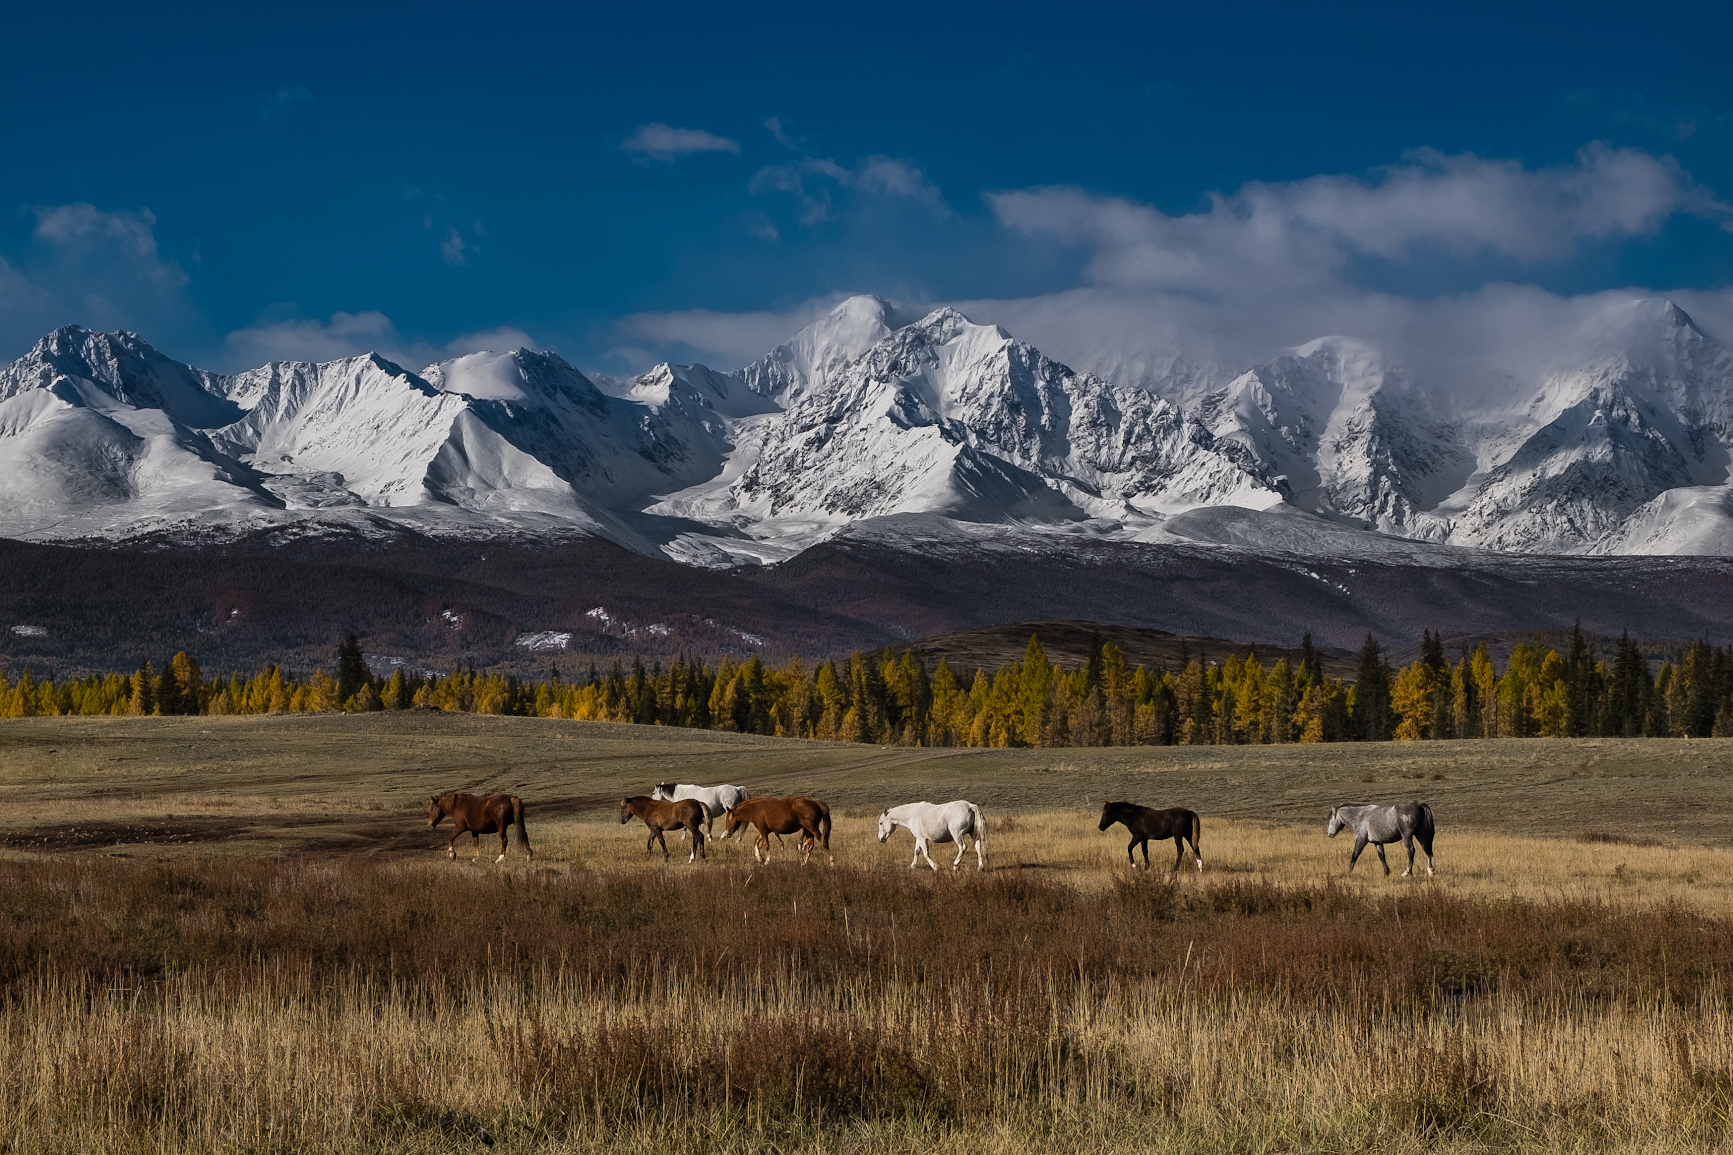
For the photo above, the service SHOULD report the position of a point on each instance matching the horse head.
(730, 821)
(1107, 818)
(663, 791)
(885, 825)
(434, 812)
(1337, 822)
(625, 810)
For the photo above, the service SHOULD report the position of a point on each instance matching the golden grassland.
(239, 935)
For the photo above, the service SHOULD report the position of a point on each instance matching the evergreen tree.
(1371, 716)
(1432, 653)
(1628, 695)
(1311, 668)
(1092, 670)
(1582, 687)
(352, 671)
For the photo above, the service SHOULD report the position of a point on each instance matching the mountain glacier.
(1618, 445)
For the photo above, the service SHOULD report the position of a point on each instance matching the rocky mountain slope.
(1619, 444)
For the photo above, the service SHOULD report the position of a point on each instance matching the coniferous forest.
(896, 699)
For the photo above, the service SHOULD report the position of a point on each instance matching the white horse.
(714, 799)
(1404, 822)
(952, 822)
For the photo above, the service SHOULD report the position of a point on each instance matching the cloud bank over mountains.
(1204, 294)
(1435, 259)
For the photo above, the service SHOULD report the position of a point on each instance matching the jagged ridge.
(870, 414)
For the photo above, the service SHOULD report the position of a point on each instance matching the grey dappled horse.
(1405, 822)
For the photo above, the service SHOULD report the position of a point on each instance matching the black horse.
(1144, 823)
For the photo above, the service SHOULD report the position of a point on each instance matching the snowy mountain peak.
(1620, 441)
(527, 377)
(104, 370)
(809, 358)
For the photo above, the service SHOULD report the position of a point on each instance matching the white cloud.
(354, 335)
(88, 266)
(452, 247)
(84, 233)
(1286, 237)
(1186, 298)
(721, 340)
(1186, 301)
(503, 339)
(811, 179)
(663, 142)
(308, 339)
(773, 125)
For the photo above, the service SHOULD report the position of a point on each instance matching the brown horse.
(658, 815)
(1145, 824)
(808, 817)
(479, 816)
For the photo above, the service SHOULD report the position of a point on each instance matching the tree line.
(896, 699)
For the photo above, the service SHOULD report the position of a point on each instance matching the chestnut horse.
(808, 817)
(660, 815)
(479, 816)
(1145, 824)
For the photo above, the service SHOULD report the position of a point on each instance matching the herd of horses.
(693, 811)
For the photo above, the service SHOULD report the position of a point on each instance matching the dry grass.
(1065, 847)
(236, 1004)
(280, 958)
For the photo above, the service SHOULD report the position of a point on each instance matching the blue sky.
(630, 182)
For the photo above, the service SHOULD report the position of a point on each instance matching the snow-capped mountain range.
(1622, 446)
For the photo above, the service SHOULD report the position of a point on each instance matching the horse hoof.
(499, 860)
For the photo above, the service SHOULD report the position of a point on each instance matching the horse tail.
(980, 817)
(523, 834)
(1424, 826)
(824, 824)
(1196, 829)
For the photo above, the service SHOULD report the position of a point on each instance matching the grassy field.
(239, 935)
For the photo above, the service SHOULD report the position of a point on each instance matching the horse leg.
(451, 843)
(1382, 859)
(1130, 855)
(1145, 845)
(503, 828)
(1408, 844)
(916, 860)
(1178, 852)
(962, 849)
(1426, 845)
(1359, 845)
(475, 835)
